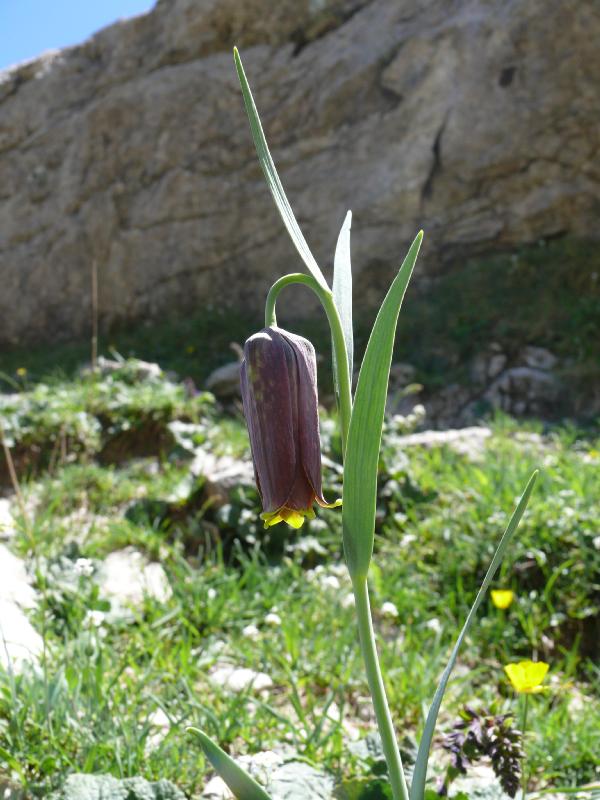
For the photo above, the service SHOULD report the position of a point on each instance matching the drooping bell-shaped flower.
(279, 392)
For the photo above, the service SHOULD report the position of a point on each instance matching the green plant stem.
(523, 729)
(361, 590)
(377, 689)
(337, 335)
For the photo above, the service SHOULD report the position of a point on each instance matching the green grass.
(88, 708)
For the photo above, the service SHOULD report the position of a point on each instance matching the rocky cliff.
(474, 119)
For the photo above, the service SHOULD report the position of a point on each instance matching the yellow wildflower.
(527, 676)
(21, 372)
(502, 598)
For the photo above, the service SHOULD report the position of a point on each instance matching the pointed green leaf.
(272, 178)
(342, 290)
(241, 784)
(420, 772)
(366, 424)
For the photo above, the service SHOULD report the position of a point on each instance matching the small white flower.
(389, 610)
(95, 618)
(330, 582)
(84, 567)
(348, 601)
(434, 625)
(273, 619)
(211, 593)
(251, 632)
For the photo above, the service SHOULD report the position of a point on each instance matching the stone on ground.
(239, 679)
(224, 382)
(15, 585)
(20, 644)
(469, 442)
(283, 778)
(480, 784)
(126, 578)
(105, 787)
(7, 523)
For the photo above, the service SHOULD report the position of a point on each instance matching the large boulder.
(474, 119)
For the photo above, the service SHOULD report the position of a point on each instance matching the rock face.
(474, 119)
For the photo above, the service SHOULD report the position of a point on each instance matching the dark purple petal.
(279, 392)
(308, 411)
(269, 382)
(302, 495)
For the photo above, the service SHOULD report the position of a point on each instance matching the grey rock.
(126, 578)
(476, 120)
(401, 374)
(538, 358)
(297, 780)
(370, 751)
(140, 370)
(221, 474)
(479, 784)
(239, 679)
(496, 364)
(469, 442)
(487, 365)
(224, 382)
(15, 581)
(448, 407)
(20, 643)
(524, 390)
(283, 777)
(105, 787)
(7, 523)
(10, 791)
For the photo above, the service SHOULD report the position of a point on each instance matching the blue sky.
(28, 27)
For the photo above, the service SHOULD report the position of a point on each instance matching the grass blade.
(241, 784)
(342, 290)
(272, 178)
(420, 772)
(366, 424)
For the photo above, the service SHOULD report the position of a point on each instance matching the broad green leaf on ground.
(241, 784)
(272, 178)
(364, 436)
(420, 771)
(342, 290)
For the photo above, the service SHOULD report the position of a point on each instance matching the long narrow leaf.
(342, 290)
(272, 178)
(241, 784)
(364, 436)
(420, 772)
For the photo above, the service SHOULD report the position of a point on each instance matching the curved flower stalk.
(279, 393)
